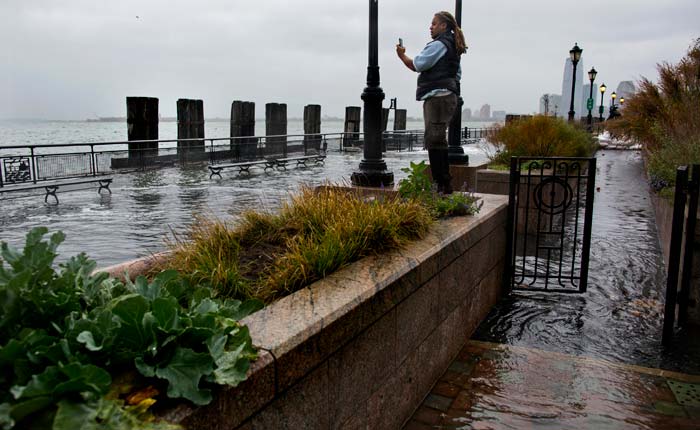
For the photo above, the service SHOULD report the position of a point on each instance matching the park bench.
(243, 166)
(301, 161)
(53, 186)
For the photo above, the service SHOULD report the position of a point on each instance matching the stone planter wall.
(362, 347)
(464, 177)
(663, 210)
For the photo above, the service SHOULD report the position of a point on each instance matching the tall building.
(467, 114)
(566, 88)
(485, 111)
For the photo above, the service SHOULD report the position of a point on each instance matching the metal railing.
(21, 164)
(474, 134)
(681, 250)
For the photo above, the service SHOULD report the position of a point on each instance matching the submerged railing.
(21, 164)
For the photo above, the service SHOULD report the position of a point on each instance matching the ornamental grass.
(665, 118)
(318, 231)
(540, 136)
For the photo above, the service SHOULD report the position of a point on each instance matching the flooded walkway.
(492, 386)
(580, 361)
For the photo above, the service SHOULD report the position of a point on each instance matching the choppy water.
(146, 206)
(620, 316)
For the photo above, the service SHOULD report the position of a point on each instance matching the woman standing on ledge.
(438, 87)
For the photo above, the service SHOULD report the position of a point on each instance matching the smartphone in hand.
(400, 42)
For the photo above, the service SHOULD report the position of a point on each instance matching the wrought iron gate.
(681, 249)
(549, 223)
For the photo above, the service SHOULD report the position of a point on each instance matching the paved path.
(494, 386)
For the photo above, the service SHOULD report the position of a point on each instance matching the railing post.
(510, 228)
(679, 201)
(684, 293)
(34, 164)
(93, 162)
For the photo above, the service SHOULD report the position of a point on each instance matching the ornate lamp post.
(373, 171)
(575, 54)
(454, 138)
(589, 104)
(601, 109)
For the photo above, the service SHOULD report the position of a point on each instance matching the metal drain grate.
(686, 394)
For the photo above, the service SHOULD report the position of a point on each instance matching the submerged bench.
(301, 161)
(269, 163)
(52, 187)
(243, 166)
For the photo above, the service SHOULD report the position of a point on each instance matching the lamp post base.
(372, 174)
(457, 156)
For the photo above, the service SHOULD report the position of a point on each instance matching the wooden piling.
(276, 125)
(190, 125)
(399, 119)
(243, 125)
(142, 124)
(352, 125)
(312, 129)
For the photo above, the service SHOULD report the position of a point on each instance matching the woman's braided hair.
(460, 44)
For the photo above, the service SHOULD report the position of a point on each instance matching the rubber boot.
(445, 184)
(435, 158)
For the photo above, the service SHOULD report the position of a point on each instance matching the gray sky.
(76, 59)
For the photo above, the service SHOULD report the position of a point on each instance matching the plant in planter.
(539, 136)
(320, 230)
(79, 350)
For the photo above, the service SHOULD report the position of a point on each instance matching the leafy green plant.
(418, 186)
(540, 136)
(65, 333)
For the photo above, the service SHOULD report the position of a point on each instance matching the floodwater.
(146, 207)
(620, 317)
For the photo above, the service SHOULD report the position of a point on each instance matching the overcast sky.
(77, 59)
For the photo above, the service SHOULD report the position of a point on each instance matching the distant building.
(467, 114)
(498, 115)
(566, 88)
(625, 89)
(485, 112)
(549, 103)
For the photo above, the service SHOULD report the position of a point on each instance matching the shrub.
(540, 136)
(665, 118)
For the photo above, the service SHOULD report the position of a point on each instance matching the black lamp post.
(454, 138)
(373, 171)
(613, 96)
(575, 54)
(601, 109)
(589, 104)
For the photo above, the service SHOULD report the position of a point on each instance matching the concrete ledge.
(370, 338)
(362, 347)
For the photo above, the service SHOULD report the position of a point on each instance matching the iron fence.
(681, 249)
(36, 163)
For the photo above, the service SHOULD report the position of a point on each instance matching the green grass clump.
(266, 256)
(540, 136)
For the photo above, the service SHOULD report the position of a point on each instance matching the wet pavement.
(494, 386)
